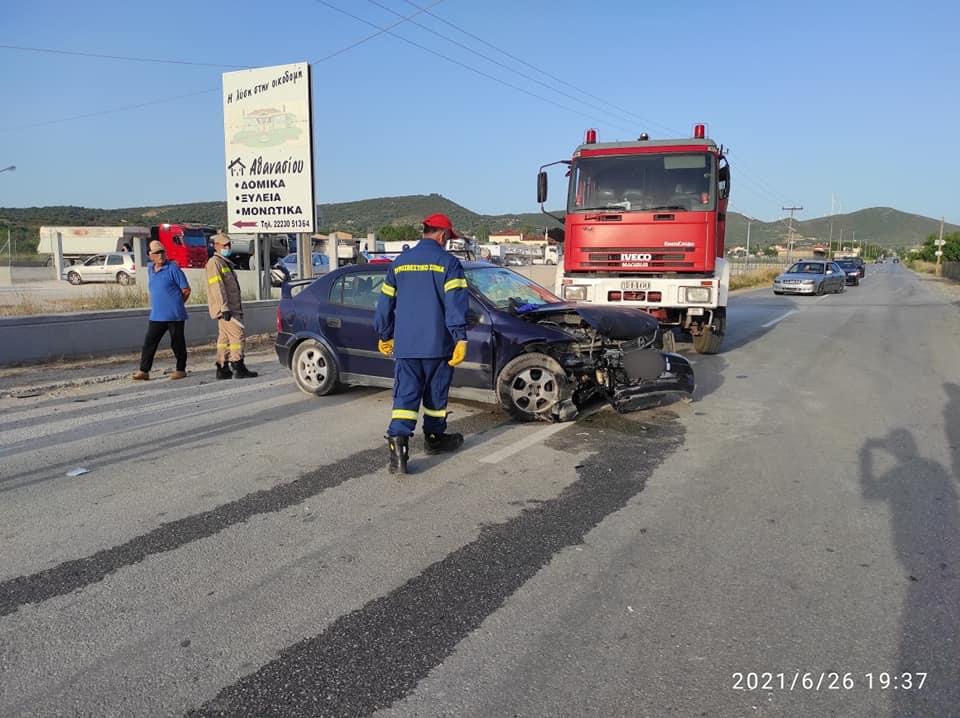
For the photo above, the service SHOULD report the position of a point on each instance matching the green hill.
(881, 226)
(358, 217)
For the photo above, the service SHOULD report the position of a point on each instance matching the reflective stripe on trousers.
(416, 381)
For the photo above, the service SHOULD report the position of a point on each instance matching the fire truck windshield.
(643, 182)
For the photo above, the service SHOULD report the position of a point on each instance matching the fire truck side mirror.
(542, 187)
(723, 181)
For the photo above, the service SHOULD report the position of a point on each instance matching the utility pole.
(830, 248)
(940, 250)
(790, 231)
(749, 222)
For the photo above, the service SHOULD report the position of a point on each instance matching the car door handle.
(333, 323)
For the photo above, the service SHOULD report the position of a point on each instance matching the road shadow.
(925, 525)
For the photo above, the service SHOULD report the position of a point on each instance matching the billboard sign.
(267, 133)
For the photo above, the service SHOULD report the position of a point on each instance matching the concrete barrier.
(58, 336)
(46, 337)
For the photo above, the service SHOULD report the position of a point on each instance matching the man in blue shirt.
(421, 321)
(169, 292)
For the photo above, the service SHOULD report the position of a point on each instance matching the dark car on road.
(852, 270)
(535, 355)
(858, 261)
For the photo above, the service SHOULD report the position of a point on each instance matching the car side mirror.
(541, 187)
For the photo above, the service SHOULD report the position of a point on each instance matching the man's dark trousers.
(178, 343)
(416, 380)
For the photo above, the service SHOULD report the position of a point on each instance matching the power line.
(379, 32)
(624, 111)
(544, 72)
(98, 113)
(165, 100)
(457, 62)
(498, 63)
(80, 53)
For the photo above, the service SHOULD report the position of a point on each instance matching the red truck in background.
(644, 227)
(186, 244)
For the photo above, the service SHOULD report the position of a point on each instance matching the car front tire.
(314, 369)
(532, 386)
(74, 278)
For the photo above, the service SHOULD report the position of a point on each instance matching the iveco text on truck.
(644, 227)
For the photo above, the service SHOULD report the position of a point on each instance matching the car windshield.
(643, 182)
(499, 286)
(848, 265)
(806, 268)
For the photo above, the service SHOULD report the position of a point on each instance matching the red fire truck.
(644, 228)
(186, 244)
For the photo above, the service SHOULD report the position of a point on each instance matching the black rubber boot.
(223, 371)
(240, 371)
(442, 443)
(399, 453)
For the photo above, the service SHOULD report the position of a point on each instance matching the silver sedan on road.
(811, 277)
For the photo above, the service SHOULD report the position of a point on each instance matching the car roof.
(362, 267)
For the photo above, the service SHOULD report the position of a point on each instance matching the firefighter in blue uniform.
(421, 321)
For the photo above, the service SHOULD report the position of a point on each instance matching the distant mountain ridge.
(883, 226)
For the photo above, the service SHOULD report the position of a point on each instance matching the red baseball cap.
(440, 221)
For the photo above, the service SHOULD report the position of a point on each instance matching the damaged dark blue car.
(535, 355)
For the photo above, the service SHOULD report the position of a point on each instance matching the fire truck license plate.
(634, 284)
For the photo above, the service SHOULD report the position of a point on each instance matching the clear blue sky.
(854, 99)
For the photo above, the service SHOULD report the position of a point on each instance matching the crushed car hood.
(618, 323)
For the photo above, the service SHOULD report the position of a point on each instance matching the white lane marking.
(778, 319)
(534, 438)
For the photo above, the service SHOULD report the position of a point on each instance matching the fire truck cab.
(186, 244)
(644, 227)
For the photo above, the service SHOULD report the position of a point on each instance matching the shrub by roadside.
(756, 278)
(918, 265)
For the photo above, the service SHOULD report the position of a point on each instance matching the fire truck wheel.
(668, 340)
(314, 370)
(74, 278)
(532, 386)
(711, 336)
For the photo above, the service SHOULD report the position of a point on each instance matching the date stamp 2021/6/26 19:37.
(827, 680)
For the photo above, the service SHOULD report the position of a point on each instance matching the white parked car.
(110, 267)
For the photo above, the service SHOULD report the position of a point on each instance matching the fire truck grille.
(635, 257)
(616, 264)
(627, 257)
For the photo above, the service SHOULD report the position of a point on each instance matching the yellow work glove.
(386, 347)
(459, 353)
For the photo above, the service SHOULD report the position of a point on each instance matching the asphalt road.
(237, 548)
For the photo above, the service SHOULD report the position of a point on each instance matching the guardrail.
(46, 337)
(743, 266)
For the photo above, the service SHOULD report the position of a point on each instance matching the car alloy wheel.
(124, 279)
(314, 369)
(532, 386)
(74, 278)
